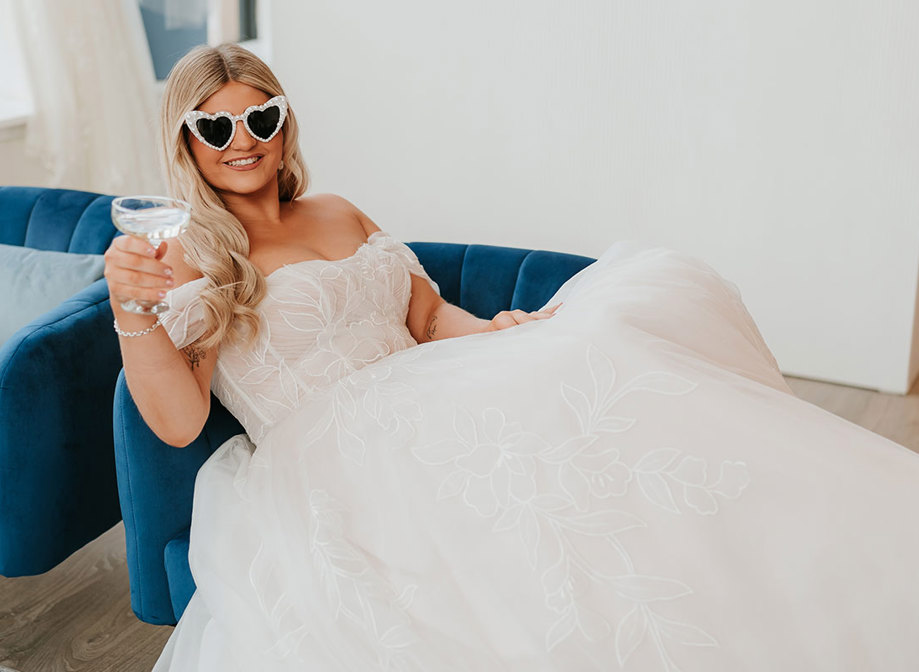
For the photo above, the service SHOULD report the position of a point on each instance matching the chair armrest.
(542, 274)
(57, 472)
(156, 484)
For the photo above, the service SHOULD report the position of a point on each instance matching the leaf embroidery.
(492, 464)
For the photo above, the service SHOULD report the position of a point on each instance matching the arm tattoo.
(194, 355)
(432, 329)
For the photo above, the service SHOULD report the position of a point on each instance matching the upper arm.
(421, 307)
(201, 361)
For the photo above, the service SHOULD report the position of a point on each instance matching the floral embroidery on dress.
(334, 338)
(493, 464)
(353, 589)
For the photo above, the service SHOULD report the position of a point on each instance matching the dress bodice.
(320, 320)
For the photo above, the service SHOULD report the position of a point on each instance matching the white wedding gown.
(629, 484)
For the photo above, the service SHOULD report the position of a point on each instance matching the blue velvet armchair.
(59, 376)
(57, 379)
(156, 481)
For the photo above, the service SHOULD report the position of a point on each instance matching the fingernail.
(162, 294)
(169, 283)
(168, 271)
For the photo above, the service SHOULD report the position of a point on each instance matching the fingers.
(511, 318)
(522, 317)
(133, 245)
(133, 270)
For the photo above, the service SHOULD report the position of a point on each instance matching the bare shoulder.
(342, 206)
(175, 259)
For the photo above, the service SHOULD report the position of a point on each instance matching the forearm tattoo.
(194, 354)
(432, 329)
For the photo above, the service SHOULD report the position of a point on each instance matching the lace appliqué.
(391, 404)
(321, 321)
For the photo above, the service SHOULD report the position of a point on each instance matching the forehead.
(233, 97)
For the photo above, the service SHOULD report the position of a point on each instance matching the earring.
(281, 165)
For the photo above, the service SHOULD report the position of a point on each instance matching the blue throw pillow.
(32, 282)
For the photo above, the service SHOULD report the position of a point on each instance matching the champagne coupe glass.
(153, 218)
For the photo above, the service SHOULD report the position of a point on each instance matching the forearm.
(161, 382)
(448, 321)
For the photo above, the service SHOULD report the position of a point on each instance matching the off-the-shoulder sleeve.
(406, 255)
(184, 321)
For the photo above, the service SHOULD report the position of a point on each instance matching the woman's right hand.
(133, 270)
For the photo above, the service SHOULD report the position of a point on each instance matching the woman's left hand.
(511, 318)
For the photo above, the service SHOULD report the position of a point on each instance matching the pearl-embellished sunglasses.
(217, 130)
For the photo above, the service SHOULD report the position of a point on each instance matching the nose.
(242, 141)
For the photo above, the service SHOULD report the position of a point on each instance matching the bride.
(621, 480)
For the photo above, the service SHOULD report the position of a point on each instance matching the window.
(173, 27)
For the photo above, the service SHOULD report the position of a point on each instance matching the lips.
(244, 166)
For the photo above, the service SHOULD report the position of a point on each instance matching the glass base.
(145, 307)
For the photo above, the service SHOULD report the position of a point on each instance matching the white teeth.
(244, 162)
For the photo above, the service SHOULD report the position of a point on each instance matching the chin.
(246, 185)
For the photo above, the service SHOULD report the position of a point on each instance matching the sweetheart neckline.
(328, 261)
(297, 263)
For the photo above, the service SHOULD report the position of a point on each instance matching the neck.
(257, 211)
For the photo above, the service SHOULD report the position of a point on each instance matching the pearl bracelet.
(132, 334)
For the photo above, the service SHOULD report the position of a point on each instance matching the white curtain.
(95, 120)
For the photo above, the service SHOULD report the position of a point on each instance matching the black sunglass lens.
(215, 131)
(263, 124)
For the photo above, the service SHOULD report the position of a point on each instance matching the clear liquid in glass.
(153, 218)
(153, 223)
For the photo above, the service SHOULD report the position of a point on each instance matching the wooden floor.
(77, 617)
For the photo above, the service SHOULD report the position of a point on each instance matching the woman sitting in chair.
(629, 484)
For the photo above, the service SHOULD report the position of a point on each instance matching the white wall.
(777, 141)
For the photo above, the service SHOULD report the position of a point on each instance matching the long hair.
(215, 242)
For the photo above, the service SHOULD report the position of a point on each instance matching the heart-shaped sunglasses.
(217, 130)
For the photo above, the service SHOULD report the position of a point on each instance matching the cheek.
(276, 144)
(205, 156)
(207, 160)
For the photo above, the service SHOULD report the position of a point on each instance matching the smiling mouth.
(244, 162)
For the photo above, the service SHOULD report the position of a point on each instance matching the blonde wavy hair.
(215, 242)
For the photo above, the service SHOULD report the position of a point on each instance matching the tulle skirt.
(629, 484)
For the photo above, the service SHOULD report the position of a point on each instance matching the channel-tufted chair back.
(63, 220)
